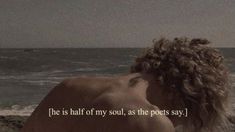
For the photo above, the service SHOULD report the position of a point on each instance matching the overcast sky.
(113, 23)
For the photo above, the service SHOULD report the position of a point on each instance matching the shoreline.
(13, 123)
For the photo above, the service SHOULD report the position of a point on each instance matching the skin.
(130, 92)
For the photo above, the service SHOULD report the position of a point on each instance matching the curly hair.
(195, 74)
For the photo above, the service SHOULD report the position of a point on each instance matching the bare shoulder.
(86, 81)
(95, 83)
(130, 102)
(86, 85)
(151, 124)
(135, 122)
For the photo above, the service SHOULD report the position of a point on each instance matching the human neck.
(157, 96)
(147, 86)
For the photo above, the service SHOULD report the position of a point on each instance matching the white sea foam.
(123, 65)
(232, 79)
(133, 56)
(42, 82)
(57, 71)
(232, 75)
(79, 62)
(7, 57)
(33, 75)
(88, 69)
(12, 77)
(18, 110)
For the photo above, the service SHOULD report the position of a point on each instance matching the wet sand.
(12, 123)
(15, 123)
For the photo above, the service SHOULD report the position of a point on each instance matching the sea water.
(27, 75)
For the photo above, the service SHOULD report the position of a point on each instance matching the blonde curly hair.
(196, 75)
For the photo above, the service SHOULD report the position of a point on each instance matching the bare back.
(107, 93)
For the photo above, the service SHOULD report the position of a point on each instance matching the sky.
(113, 23)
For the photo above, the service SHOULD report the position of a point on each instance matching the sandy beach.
(15, 123)
(11, 123)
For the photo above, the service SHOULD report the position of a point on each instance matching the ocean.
(27, 75)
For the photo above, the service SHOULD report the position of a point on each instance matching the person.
(172, 75)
